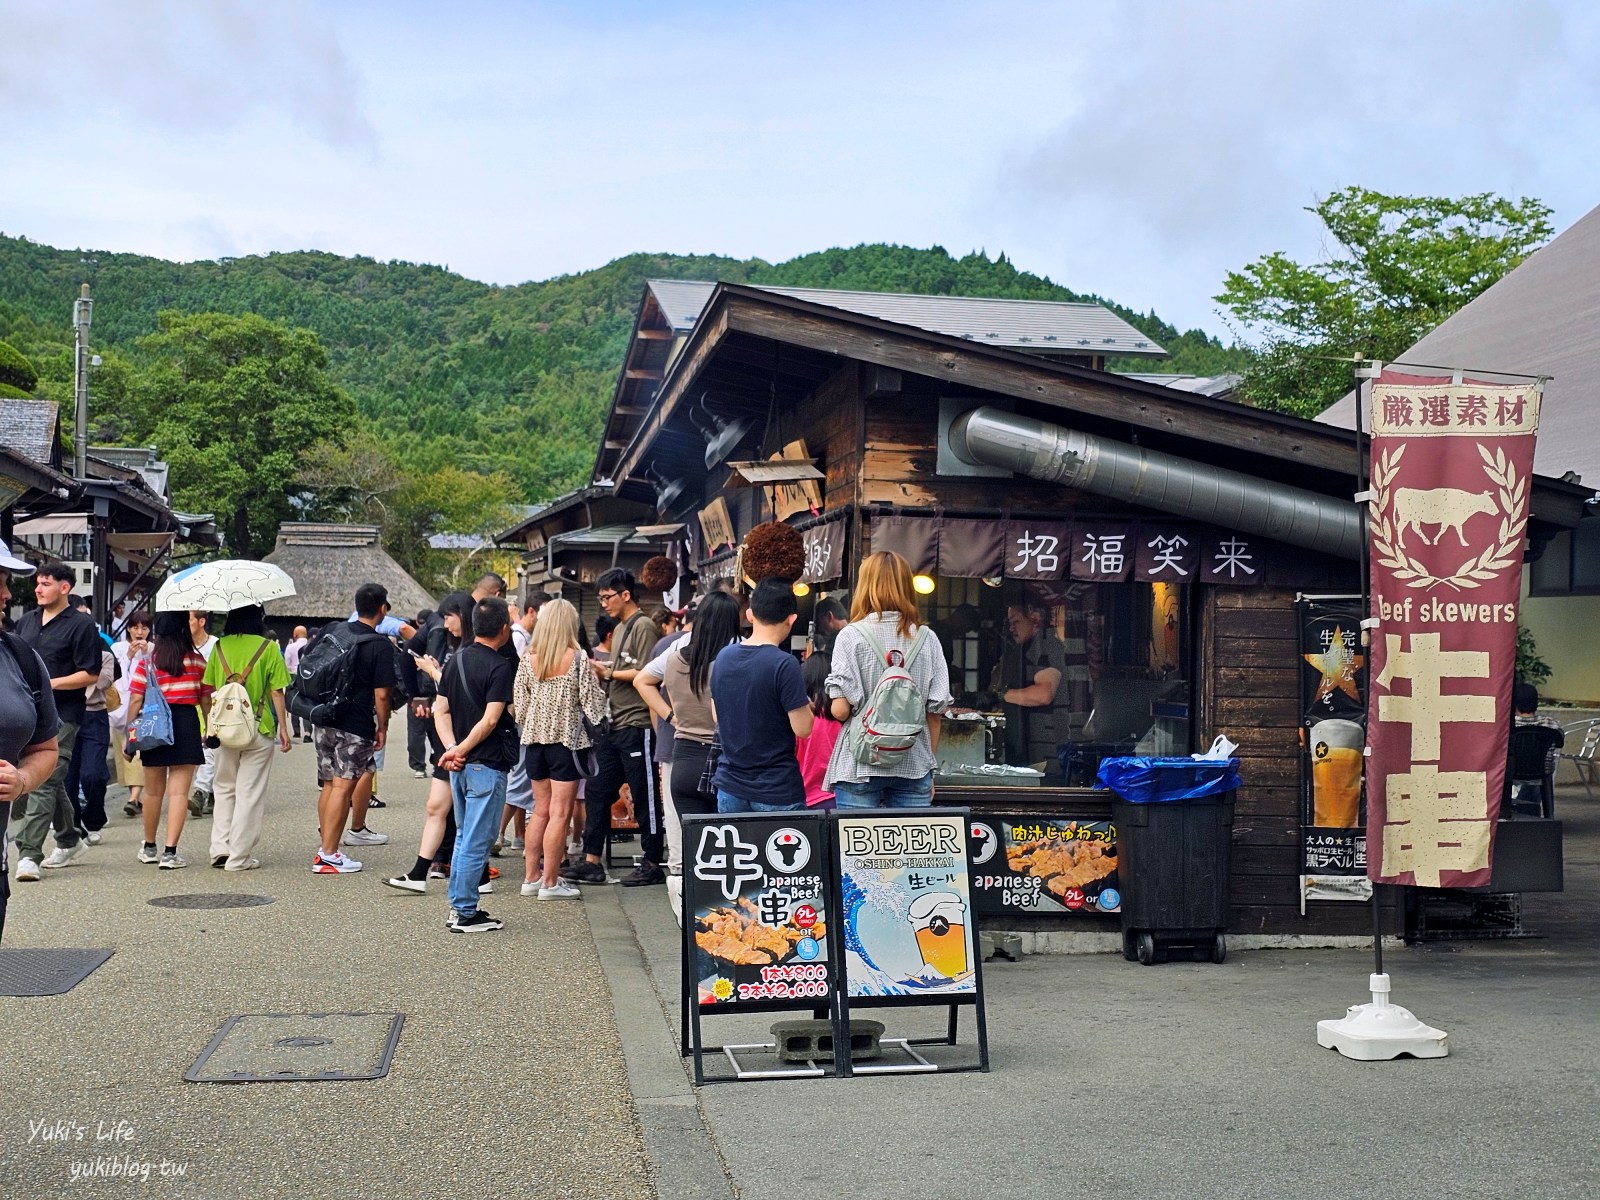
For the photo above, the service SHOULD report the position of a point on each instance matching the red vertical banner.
(1449, 510)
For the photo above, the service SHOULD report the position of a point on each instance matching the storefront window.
(1068, 672)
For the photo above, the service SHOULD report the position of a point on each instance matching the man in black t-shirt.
(69, 643)
(473, 717)
(347, 744)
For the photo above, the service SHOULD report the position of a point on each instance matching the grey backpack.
(896, 712)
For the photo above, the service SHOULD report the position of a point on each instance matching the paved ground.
(508, 1078)
(541, 1061)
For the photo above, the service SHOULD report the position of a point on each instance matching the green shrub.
(1530, 667)
(16, 370)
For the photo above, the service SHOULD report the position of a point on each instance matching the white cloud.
(183, 67)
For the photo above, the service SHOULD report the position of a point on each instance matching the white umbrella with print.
(223, 586)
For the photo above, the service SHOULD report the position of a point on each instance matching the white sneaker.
(365, 837)
(531, 889)
(92, 837)
(27, 871)
(333, 864)
(62, 855)
(486, 887)
(514, 845)
(172, 861)
(407, 884)
(561, 891)
(249, 864)
(419, 774)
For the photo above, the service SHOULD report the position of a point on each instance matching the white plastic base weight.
(1381, 1030)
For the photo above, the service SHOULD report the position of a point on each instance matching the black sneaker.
(584, 871)
(478, 922)
(219, 860)
(645, 874)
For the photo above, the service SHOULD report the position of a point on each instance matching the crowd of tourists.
(531, 733)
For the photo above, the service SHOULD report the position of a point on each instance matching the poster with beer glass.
(906, 904)
(1333, 690)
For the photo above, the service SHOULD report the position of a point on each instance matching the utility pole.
(81, 310)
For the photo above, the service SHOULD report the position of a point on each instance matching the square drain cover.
(297, 1047)
(46, 972)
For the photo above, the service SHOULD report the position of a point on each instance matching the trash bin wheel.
(1147, 949)
(1219, 948)
(1130, 950)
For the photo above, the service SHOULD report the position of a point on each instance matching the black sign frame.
(701, 893)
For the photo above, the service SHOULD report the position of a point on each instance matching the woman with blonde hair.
(886, 628)
(556, 694)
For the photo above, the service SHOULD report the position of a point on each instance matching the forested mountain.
(453, 372)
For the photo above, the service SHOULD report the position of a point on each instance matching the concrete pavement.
(542, 1061)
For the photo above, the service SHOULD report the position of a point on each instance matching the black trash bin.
(1174, 822)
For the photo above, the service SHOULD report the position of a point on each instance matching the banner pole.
(1379, 1030)
(1365, 561)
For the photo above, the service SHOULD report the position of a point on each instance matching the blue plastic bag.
(1164, 780)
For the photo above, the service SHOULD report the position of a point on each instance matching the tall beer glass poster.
(754, 892)
(1333, 681)
(905, 904)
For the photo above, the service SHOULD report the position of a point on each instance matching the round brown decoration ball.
(774, 551)
(658, 574)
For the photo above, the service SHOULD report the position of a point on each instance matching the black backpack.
(325, 679)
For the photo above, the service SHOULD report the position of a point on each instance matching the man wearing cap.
(68, 641)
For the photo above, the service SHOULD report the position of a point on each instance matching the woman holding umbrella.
(176, 668)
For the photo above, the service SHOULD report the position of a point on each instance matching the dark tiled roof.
(29, 426)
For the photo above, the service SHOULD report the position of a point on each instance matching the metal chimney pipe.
(994, 438)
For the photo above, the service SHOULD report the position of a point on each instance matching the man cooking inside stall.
(1043, 684)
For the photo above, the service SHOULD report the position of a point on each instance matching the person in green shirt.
(245, 651)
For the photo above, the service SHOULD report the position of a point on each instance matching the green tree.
(234, 403)
(17, 376)
(1400, 266)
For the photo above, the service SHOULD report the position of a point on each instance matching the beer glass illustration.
(1336, 773)
(939, 919)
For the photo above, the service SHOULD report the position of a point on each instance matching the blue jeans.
(885, 791)
(477, 795)
(727, 802)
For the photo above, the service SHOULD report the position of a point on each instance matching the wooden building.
(1165, 533)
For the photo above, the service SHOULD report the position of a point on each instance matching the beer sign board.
(1333, 706)
(905, 904)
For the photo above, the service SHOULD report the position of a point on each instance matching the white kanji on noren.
(1437, 821)
(1041, 549)
(1426, 709)
(1104, 553)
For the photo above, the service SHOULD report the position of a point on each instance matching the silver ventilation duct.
(990, 437)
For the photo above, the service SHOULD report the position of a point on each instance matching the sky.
(1139, 151)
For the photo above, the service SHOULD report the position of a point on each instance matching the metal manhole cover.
(210, 900)
(46, 972)
(299, 1047)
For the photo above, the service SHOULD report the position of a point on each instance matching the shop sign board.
(1333, 708)
(905, 904)
(1447, 521)
(1032, 863)
(757, 899)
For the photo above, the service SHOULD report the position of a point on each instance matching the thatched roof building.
(328, 563)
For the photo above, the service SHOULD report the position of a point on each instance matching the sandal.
(133, 808)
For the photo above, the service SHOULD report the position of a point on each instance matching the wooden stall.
(883, 408)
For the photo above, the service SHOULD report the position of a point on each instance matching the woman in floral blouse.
(555, 689)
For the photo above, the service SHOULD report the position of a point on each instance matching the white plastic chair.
(1583, 758)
